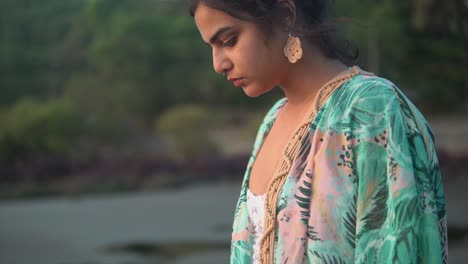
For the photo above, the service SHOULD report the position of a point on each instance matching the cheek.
(265, 59)
(264, 62)
(270, 66)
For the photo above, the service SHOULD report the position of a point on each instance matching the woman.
(343, 169)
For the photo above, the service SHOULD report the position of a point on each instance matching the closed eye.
(230, 42)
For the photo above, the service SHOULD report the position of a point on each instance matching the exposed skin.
(243, 51)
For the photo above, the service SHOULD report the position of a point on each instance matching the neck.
(307, 76)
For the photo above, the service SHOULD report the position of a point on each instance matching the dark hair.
(309, 23)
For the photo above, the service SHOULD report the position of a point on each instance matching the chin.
(255, 91)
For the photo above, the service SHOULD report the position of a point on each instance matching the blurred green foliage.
(188, 129)
(419, 45)
(32, 127)
(113, 67)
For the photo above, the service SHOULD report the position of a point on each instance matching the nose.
(221, 62)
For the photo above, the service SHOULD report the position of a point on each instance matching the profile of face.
(242, 50)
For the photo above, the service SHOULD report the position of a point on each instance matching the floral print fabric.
(255, 205)
(365, 186)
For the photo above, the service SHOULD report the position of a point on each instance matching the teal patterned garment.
(365, 186)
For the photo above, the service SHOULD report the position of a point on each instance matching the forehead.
(209, 20)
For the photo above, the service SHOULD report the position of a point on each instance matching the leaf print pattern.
(301, 160)
(240, 252)
(327, 259)
(349, 222)
(377, 214)
(311, 234)
(303, 199)
(365, 187)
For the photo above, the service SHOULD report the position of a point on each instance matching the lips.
(237, 81)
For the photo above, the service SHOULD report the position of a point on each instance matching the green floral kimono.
(365, 186)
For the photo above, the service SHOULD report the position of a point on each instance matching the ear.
(290, 6)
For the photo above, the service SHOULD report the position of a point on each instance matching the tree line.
(83, 73)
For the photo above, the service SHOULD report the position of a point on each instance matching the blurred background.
(119, 143)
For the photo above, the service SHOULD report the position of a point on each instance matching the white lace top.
(255, 205)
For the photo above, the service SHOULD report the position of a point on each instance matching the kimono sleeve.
(400, 207)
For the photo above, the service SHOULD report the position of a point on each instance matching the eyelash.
(229, 43)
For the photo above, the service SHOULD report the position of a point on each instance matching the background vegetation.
(82, 82)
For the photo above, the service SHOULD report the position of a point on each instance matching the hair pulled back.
(309, 22)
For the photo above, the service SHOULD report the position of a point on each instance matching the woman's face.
(241, 49)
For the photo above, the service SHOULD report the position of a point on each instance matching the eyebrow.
(219, 32)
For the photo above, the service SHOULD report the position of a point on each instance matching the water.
(76, 231)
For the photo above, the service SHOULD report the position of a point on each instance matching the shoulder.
(364, 103)
(364, 100)
(366, 91)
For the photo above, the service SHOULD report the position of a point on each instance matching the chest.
(270, 154)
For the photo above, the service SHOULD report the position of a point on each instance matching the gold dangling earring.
(293, 49)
